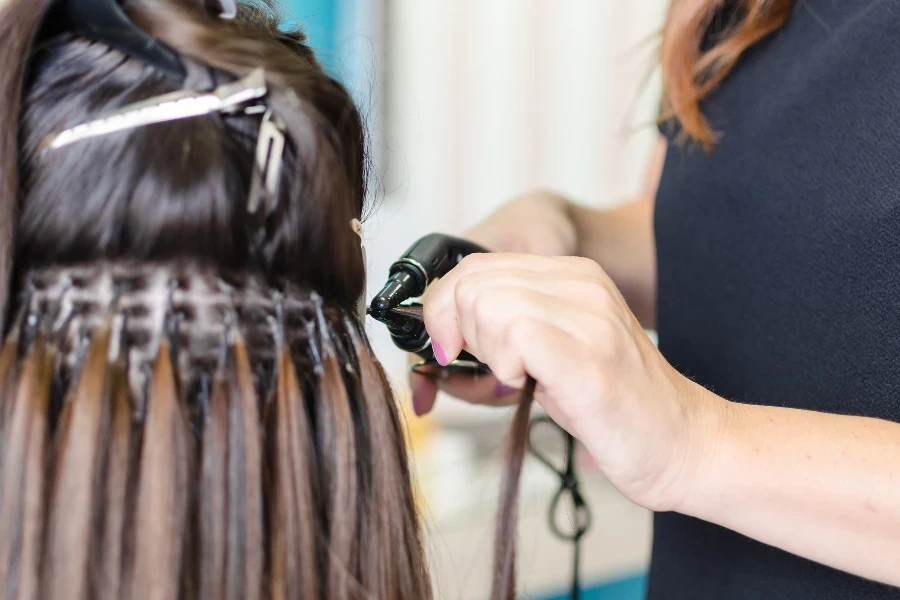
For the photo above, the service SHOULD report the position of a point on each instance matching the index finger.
(441, 312)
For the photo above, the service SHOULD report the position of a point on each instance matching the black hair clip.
(105, 21)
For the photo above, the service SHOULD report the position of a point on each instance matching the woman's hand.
(537, 223)
(562, 321)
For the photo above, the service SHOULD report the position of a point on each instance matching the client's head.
(188, 404)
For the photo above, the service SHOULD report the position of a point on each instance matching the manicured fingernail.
(440, 354)
(502, 390)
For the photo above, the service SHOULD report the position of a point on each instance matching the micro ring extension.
(119, 291)
(276, 321)
(357, 340)
(26, 308)
(314, 350)
(322, 322)
(119, 322)
(82, 342)
(32, 323)
(172, 323)
(147, 373)
(227, 339)
(117, 338)
(277, 335)
(329, 345)
(205, 391)
(63, 315)
(231, 316)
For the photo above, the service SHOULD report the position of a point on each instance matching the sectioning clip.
(106, 22)
(229, 10)
(169, 107)
(266, 181)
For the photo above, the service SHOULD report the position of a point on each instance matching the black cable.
(568, 485)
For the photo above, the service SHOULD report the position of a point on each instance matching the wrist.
(538, 223)
(709, 419)
(564, 223)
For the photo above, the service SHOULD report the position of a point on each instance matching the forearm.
(621, 241)
(825, 487)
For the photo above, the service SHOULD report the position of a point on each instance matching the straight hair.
(189, 405)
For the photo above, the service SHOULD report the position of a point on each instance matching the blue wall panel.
(321, 21)
(633, 588)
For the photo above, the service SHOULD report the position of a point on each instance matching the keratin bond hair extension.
(186, 452)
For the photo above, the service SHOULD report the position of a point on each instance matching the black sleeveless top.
(779, 266)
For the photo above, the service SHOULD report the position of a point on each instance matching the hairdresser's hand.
(536, 223)
(563, 321)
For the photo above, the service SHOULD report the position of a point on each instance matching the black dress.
(779, 266)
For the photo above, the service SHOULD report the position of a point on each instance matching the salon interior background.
(471, 102)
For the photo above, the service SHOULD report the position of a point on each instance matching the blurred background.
(469, 103)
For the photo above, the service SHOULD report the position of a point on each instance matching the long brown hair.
(188, 408)
(696, 57)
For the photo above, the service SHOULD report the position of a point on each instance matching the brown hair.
(189, 408)
(696, 56)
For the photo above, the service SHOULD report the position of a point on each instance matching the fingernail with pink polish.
(502, 390)
(440, 354)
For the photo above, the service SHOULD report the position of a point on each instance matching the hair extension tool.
(428, 259)
(432, 257)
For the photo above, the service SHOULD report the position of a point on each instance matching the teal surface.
(633, 588)
(319, 18)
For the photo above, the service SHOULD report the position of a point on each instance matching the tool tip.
(380, 304)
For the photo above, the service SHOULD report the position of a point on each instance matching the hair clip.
(267, 166)
(169, 107)
(106, 22)
(229, 10)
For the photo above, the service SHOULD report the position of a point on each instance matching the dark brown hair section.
(696, 56)
(503, 586)
(236, 439)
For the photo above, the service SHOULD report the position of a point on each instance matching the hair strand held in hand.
(505, 537)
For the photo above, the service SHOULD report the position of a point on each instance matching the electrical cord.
(569, 486)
